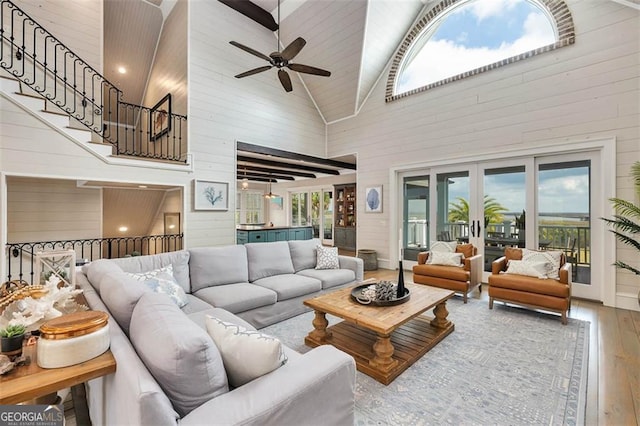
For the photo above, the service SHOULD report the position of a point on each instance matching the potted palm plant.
(11, 339)
(626, 221)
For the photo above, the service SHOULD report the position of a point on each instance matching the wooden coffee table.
(384, 341)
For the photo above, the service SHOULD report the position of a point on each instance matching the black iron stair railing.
(39, 60)
(20, 257)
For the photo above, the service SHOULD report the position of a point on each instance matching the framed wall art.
(171, 223)
(373, 199)
(160, 121)
(208, 195)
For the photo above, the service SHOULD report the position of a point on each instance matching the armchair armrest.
(498, 265)
(565, 273)
(422, 257)
(473, 264)
(354, 263)
(317, 388)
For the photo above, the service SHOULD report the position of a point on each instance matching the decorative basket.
(72, 339)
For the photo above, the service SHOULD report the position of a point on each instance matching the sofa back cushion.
(179, 260)
(267, 259)
(211, 266)
(303, 253)
(179, 354)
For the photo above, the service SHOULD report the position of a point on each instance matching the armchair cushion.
(529, 285)
(440, 271)
(445, 258)
(467, 250)
(532, 269)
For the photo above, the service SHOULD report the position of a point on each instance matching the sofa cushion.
(439, 271)
(238, 297)
(120, 293)
(270, 259)
(303, 253)
(330, 277)
(327, 258)
(178, 259)
(247, 354)
(180, 355)
(195, 305)
(529, 284)
(162, 281)
(222, 314)
(97, 270)
(211, 266)
(289, 286)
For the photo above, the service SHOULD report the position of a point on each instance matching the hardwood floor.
(613, 383)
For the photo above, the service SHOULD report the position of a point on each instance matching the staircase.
(49, 81)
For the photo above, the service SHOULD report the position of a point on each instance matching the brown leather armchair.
(461, 280)
(547, 294)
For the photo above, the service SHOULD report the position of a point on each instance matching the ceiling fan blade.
(285, 80)
(250, 50)
(254, 71)
(293, 48)
(309, 70)
(252, 11)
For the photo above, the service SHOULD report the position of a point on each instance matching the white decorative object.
(60, 264)
(62, 353)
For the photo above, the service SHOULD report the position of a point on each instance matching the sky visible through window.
(476, 34)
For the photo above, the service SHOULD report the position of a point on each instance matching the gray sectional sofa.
(169, 371)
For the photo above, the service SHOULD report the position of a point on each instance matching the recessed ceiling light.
(142, 186)
(122, 70)
(123, 229)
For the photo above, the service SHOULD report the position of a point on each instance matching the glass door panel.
(454, 208)
(327, 216)
(299, 209)
(504, 205)
(416, 216)
(315, 213)
(564, 213)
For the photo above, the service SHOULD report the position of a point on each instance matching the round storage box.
(72, 339)
(370, 258)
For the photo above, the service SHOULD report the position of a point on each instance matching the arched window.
(459, 38)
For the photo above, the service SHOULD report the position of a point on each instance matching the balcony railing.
(20, 257)
(40, 61)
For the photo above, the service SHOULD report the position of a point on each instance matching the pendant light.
(270, 194)
(245, 181)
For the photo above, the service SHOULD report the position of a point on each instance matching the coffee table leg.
(441, 313)
(320, 323)
(383, 350)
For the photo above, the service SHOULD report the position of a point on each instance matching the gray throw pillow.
(121, 293)
(179, 354)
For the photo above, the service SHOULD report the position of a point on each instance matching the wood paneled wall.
(582, 92)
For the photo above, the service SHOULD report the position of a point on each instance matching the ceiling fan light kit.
(280, 60)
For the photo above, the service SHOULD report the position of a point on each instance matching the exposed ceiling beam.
(257, 149)
(252, 11)
(258, 179)
(277, 171)
(250, 175)
(287, 166)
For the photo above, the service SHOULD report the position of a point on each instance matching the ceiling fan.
(281, 60)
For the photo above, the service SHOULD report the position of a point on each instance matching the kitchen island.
(264, 233)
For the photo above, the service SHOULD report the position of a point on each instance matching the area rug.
(506, 366)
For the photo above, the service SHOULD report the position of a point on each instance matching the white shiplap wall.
(223, 109)
(582, 92)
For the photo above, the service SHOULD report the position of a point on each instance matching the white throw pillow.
(531, 269)
(246, 354)
(444, 258)
(327, 258)
(162, 281)
(549, 256)
(444, 246)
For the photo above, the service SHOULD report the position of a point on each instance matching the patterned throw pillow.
(445, 258)
(531, 269)
(444, 246)
(551, 257)
(327, 258)
(246, 354)
(162, 281)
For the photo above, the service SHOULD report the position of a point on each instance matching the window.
(249, 207)
(299, 209)
(459, 38)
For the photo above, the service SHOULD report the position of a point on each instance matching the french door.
(315, 208)
(535, 202)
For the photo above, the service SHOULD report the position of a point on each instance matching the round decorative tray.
(356, 293)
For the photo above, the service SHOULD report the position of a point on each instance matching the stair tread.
(55, 112)
(29, 95)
